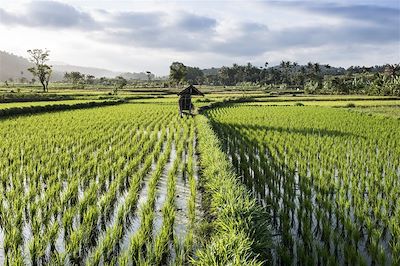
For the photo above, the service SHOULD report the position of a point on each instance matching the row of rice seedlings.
(108, 198)
(13, 203)
(159, 252)
(81, 218)
(284, 219)
(107, 205)
(138, 240)
(108, 247)
(34, 163)
(189, 238)
(177, 254)
(13, 238)
(327, 162)
(38, 245)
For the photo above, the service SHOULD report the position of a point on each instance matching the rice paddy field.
(329, 178)
(338, 103)
(42, 103)
(393, 111)
(110, 185)
(238, 184)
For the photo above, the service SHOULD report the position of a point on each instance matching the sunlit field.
(329, 178)
(294, 178)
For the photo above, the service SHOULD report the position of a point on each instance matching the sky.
(147, 35)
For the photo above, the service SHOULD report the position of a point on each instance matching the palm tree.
(391, 70)
(317, 68)
(286, 65)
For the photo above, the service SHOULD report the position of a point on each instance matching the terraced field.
(44, 103)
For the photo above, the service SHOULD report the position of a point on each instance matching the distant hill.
(97, 72)
(16, 67)
(137, 76)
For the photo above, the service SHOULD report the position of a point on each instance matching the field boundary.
(37, 97)
(17, 111)
(240, 233)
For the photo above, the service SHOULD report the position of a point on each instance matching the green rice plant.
(242, 231)
(14, 257)
(168, 212)
(36, 250)
(345, 168)
(53, 234)
(115, 233)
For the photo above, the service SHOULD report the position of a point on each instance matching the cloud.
(256, 41)
(370, 14)
(49, 14)
(373, 15)
(195, 33)
(231, 34)
(192, 22)
(186, 32)
(136, 20)
(7, 18)
(250, 39)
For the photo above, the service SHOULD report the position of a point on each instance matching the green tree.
(177, 73)
(89, 79)
(104, 81)
(314, 73)
(76, 78)
(300, 76)
(194, 75)
(40, 69)
(119, 84)
(226, 75)
(286, 65)
(311, 87)
(392, 70)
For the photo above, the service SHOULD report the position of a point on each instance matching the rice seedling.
(324, 176)
(70, 185)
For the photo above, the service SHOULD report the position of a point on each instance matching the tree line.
(313, 78)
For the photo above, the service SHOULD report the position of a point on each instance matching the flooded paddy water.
(317, 184)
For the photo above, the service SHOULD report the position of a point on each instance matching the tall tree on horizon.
(40, 69)
(177, 73)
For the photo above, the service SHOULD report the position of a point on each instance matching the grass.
(240, 233)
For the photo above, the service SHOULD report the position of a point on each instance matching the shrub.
(350, 105)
